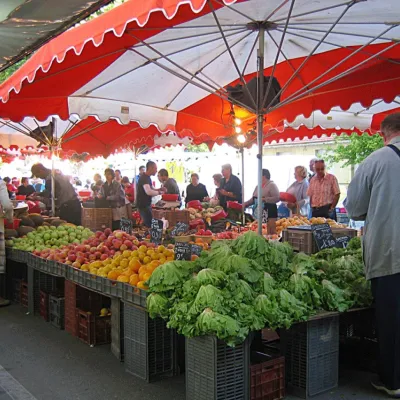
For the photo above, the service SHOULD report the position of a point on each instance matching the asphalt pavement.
(40, 362)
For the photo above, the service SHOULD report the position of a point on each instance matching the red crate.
(44, 305)
(70, 308)
(267, 379)
(24, 294)
(93, 330)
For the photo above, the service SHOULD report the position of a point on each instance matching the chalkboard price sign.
(180, 227)
(183, 251)
(323, 236)
(126, 225)
(156, 231)
(343, 241)
(196, 250)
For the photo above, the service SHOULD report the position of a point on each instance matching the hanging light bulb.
(238, 121)
(238, 130)
(241, 138)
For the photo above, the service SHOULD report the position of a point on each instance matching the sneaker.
(4, 302)
(391, 392)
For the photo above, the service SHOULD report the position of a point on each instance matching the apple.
(116, 244)
(76, 264)
(92, 257)
(123, 247)
(119, 234)
(208, 233)
(80, 260)
(97, 254)
(93, 250)
(103, 257)
(112, 252)
(107, 232)
(72, 257)
(68, 262)
(128, 244)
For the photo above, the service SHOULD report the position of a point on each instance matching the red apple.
(72, 257)
(103, 257)
(97, 254)
(107, 232)
(112, 252)
(128, 244)
(76, 264)
(123, 247)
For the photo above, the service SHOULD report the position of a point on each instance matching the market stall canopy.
(25, 25)
(169, 62)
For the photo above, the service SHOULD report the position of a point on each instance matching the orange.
(113, 275)
(143, 249)
(123, 278)
(126, 253)
(146, 276)
(141, 256)
(170, 258)
(194, 257)
(124, 263)
(134, 279)
(142, 285)
(134, 264)
(127, 272)
(135, 253)
(146, 260)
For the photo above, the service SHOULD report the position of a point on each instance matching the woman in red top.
(129, 189)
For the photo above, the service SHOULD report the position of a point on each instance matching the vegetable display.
(250, 283)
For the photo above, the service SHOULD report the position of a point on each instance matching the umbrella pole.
(134, 176)
(53, 184)
(260, 123)
(243, 216)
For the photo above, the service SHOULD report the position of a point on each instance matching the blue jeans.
(147, 215)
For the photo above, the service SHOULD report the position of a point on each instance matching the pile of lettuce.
(251, 283)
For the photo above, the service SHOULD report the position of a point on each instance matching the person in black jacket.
(196, 190)
(25, 189)
(231, 187)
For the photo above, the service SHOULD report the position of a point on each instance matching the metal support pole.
(134, 176)
(53, 183)
(243, 216)
(260, 122)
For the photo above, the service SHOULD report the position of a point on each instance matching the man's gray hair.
(227, 166)
(390, 126)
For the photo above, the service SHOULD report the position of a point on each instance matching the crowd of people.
(315, 194)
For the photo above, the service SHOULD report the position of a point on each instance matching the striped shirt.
(323, 190)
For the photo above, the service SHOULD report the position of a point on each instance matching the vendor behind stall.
(168, 183)
(231, 187)
(196, 190)
(66, 199)
(145, 192)
(25, 189)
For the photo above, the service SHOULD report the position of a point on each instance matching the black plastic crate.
(112, 288)
(52, 267)
(148, 345)
(215, 371)
(311, 351)
(358, 324)
(117, 328)
(57, 311)
(16, 291)
(41, 281)
(134, 295)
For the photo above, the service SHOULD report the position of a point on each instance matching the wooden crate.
(97, 219)
(172, 216)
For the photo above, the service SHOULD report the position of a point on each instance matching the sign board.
(126, 225)
(183, 251)
(343, 241)
(196, 250)
(180, 227)
(323, 236)
(156, 231)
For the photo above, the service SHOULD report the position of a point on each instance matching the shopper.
(10, 187)
(98, 183)
(129, 189)
(66, 199)
(168, 183)
(312, 169)
(299, 190)
(214, 200)
(324, 192)
(25, 189)
(372, 197)
(142, 170)
(7, 212)
(196, 190)
(113, 192)
(118, 176)
(145, 192)
(270, 196)
(231, 187)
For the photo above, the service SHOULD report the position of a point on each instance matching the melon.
(58, 222)
(24, 230)
(26, 221)
(10, 233)
(37, 219)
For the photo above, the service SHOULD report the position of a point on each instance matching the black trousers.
(323, 212)
(71, 211)
(387, 302)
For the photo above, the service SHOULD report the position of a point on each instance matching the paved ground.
(37, 361)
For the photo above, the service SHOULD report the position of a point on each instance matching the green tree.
(352, 150)
(201, 148)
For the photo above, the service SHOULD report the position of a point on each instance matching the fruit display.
(46, 237)
(284, 223)
(204, 211)
(250, 283)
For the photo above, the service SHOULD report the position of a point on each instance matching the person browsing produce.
(372, 197)
(25, 189)
(324, 192)
(145, 192)
(168, 183)
(196, 190)
(66, 198)
(231, 187)
(270, 196)
(299, 190)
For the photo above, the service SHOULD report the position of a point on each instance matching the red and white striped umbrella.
(168, 62)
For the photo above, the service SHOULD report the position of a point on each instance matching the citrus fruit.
(142, 285)
(123, 278)
(134, 279)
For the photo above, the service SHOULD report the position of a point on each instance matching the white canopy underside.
(149, 94)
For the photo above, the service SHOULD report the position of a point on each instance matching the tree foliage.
(352, 150)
